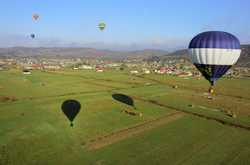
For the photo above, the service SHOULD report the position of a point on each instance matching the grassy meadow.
(34, 129)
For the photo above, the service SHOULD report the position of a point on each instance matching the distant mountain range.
(147, 54)
(78, 52)
(243, 61)
(245, 56)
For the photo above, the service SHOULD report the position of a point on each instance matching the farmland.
(178, 126)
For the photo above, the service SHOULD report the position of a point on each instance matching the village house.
(134, 72)
(88, 67)
(51, 67)
(99, 69)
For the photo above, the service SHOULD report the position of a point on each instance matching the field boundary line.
(188, 88)
(98, 79)
(113, 137)
(227, 123)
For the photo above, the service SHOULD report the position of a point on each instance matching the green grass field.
(35, 131)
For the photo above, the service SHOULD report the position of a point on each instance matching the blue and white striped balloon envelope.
(213, 53)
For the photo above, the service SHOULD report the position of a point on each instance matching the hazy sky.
(131, 24)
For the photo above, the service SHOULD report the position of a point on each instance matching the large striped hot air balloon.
(213, 53)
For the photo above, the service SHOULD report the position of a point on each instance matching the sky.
(131, 24)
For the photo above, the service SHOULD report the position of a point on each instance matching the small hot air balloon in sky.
(213, 53)
(124, 99)
(35, 17)
(71, 108)
(32, 36)
(102, 26)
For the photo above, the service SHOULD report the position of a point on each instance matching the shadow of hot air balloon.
(124, 99)
(71, 108)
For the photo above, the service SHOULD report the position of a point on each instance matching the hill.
(78, 52)
(244, 60)
(147, 54)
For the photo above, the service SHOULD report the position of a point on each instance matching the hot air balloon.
(35, 17)
(102, 26)
(71, 108)
(32, 36)
(213, 53)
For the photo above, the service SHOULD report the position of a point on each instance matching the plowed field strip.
(116, 136)
(224, 122)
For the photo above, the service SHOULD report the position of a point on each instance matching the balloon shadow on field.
(71, 108)
(124, 99)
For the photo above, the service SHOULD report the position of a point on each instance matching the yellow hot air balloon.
(102, 26)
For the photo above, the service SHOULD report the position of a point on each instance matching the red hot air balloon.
(35, 17)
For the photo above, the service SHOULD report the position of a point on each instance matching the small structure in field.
(146, 71)
(99, 69)
(87, 67)
(162, 70)
(234, 115)
(132, 113)
(7, 98)
(134, 72)
(185, 74)
(191, 105)
(26, 72)
(175, 86)
(42, 84)
(210, 97)
(231, 114)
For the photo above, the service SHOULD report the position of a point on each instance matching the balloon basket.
(211, 93)
(211, 90)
